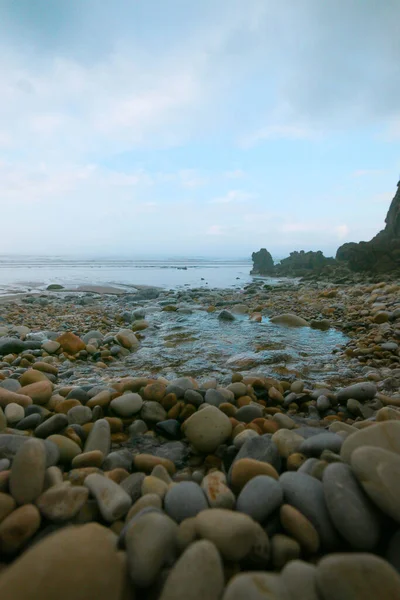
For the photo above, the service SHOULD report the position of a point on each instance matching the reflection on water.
(200, 344)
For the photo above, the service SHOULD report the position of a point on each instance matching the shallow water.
(200, 344)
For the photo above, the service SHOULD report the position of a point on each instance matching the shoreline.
(211, 414)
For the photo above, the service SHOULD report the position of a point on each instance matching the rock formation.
(262, 263)
(382, 253)
(302, 263)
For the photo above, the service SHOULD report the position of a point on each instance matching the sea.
(34, 273)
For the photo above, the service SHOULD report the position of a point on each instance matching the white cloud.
(342, 231)
(236, 174)
(276, 132)
(216, 230)
(367, 172)
(233, 196)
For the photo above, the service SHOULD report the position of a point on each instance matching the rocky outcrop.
(299, 264)
(263, 263)
(382, 253)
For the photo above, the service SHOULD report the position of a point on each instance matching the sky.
(196, 128)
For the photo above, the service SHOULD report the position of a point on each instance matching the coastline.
(172, 407)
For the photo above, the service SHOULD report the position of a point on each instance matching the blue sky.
(196, 128)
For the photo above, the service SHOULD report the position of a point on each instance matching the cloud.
(276, 132)
(233, 196)
(367, 172)
(236, 174)
(342, 231)
(216, 230)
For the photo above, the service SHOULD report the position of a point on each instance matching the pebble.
(153, 500)
(306, 494)
(94, 458)
(88, 552)
(350, 509)
(385, 435)
(315, 445)
(62, 502)
(184, 500)
(28, 472)
(284, 549)
(244, 469)
(358, 576)
(52, 425)
(262, 449)
(287, 442)
(17, 528)
(242, 437)
(358, 391)
(154, 485)
(99, 437)
(260, 497)
(79, 415)
(378, 472)
(150, 543)
(7, 505)
(113, 501)
(153, 412)
(217, 492)
(255, 586)
(299, 527)
(248, 413)
(207, 429)
(147, 462)
(198, 574)
(68, 448)
(300, 581)
(127, 405)
(14, 413)
(233, 533)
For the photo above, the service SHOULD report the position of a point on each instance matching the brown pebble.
(18, 528)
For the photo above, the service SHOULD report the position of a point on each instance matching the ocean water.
(35, 273)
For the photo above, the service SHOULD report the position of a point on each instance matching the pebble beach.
(201, 443)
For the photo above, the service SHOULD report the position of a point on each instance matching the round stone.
(28, 472)
(17, 529)
(289, 320)
(7, 505)
(350, 509)
(113, 501)
(378, 471)
(255, 586)
(298, 575)
(184, 500)
(357, 576)
(99, 437)
(145, 501)
(198, 574)
(287, 442)
(14, 413)
(299, 527)
(232, 532)
(246, 414)
(242, 437)
(153, 412)
(68, 448)
(150, 541)
(51, 426)
(384, 435)
(316, 444)
(79, 415)
(260, 497)
(284, 549)
(245, 469)
(147, 462)
(87, 551)
(62, 502)
(207, 429)
(306, 494)
(127, 405)
(358, 391)
(217, 492)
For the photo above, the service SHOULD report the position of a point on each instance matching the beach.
(229, 431)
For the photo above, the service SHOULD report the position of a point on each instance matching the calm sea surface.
(23, 273)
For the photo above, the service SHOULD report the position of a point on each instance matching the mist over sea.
(35, 273)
